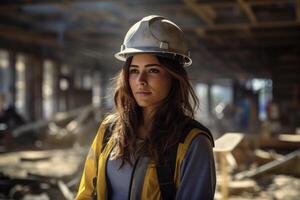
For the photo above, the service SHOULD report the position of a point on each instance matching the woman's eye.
(133, 71)
(153, 70)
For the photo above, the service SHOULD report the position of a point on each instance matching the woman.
(151, 148)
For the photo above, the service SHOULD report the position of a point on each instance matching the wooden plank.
(65, 190)
(268, 167)
(289, 138)
(241, 186)
(227, 142)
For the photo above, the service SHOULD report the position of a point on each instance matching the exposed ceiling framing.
(236, 38)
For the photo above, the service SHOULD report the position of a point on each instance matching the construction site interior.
(57, 70)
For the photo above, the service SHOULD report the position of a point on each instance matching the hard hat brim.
(123, 55)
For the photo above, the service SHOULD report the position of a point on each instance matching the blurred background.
(56, 77)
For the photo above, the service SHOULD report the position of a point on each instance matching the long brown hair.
(167, 121)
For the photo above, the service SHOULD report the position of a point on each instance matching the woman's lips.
(143, 93)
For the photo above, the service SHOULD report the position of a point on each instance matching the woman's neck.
(147, 115)
(144, 128)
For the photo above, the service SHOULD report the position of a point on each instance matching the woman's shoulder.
(107, 123)
(201, 141)
(193, 128)
(103, 134)
(109, 119)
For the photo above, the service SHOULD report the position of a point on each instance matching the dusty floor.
(270, 187)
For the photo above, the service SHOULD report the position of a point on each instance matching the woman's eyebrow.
(148, 65)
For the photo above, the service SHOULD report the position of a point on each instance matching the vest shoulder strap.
(166, 166)
(195, 124)
(107, 134)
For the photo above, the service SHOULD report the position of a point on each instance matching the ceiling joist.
(247, 9)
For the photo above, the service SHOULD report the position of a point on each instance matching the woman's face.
(150, 83)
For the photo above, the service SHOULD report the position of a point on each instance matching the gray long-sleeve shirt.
(197, 174)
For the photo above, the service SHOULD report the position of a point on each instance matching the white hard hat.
(155, 34)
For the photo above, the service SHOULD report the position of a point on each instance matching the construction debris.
(254, 173)
(41, 174)
(289, 162)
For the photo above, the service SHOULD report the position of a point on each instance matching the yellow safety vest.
(150, 191)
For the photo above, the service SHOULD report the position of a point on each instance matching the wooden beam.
(241, 34)
(266, 2)
(217, 27)
(247, 9)
(28, 36)
(228, 142)
(297, 7)
(198, 9)
(250, 3)
(33, 49)
(99, 31)
(28, 2)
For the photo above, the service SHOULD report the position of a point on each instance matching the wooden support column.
(71, 103)
(209, 99)
(96, 88)
(104, 95)
(223, 148)
(12, 79)
(34, 80)
(224, 175)
(38, 76)
(56, 88)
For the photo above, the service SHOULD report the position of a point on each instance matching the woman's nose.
(142, 78)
